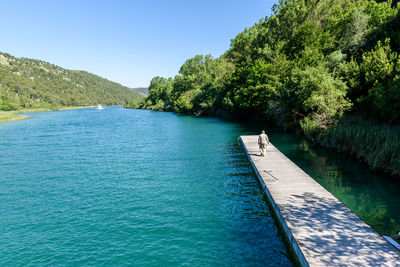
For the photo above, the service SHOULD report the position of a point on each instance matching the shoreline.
(341, 140)
(15, 115)
(22, 117)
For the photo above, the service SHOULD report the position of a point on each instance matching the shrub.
(7, 106)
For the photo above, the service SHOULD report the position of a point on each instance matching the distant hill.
(144, 91)
(31, 83)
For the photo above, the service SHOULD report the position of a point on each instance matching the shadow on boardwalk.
(339, 234)
(326, 232)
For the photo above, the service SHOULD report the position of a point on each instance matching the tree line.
(308, 63)
(305, 67)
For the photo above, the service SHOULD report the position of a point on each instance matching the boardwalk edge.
(287, 234)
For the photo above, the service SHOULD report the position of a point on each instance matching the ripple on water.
(112, 187)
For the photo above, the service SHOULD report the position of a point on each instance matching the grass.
(376, 144)
(6, 116)
(10, 116)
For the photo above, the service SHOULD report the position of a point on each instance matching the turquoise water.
(117, 186)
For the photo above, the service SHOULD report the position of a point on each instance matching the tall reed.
(376, 144)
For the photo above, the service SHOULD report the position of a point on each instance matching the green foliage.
(374, 82)
(310, 35)
(261, 83)
(28, 83)
(160, 93)
(184, 103)
(355, 32)
(305, 66)
(378, 65)
(334, 60)
(5, 105)
(200, 85)
(321, 98)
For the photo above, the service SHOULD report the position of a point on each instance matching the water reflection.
(375, 198)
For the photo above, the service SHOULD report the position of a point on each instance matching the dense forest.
(29, 83)
(327, 68)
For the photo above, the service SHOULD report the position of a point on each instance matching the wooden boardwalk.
(319, 228)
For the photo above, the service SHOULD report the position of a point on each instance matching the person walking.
(263, 141)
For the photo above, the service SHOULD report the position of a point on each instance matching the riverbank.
(7, 116)
(377, 145)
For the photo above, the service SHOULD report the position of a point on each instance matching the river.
(119, 186)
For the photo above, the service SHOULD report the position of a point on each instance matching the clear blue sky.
(125, 41)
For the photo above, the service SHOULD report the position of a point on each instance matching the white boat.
(99, 107)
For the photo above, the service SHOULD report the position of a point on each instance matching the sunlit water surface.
(117, 186)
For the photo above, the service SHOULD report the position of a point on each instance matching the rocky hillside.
(30, 83)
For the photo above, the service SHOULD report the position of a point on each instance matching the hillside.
(144, 91)
(30, 83)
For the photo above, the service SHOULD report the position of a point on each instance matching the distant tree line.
(29, 83)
